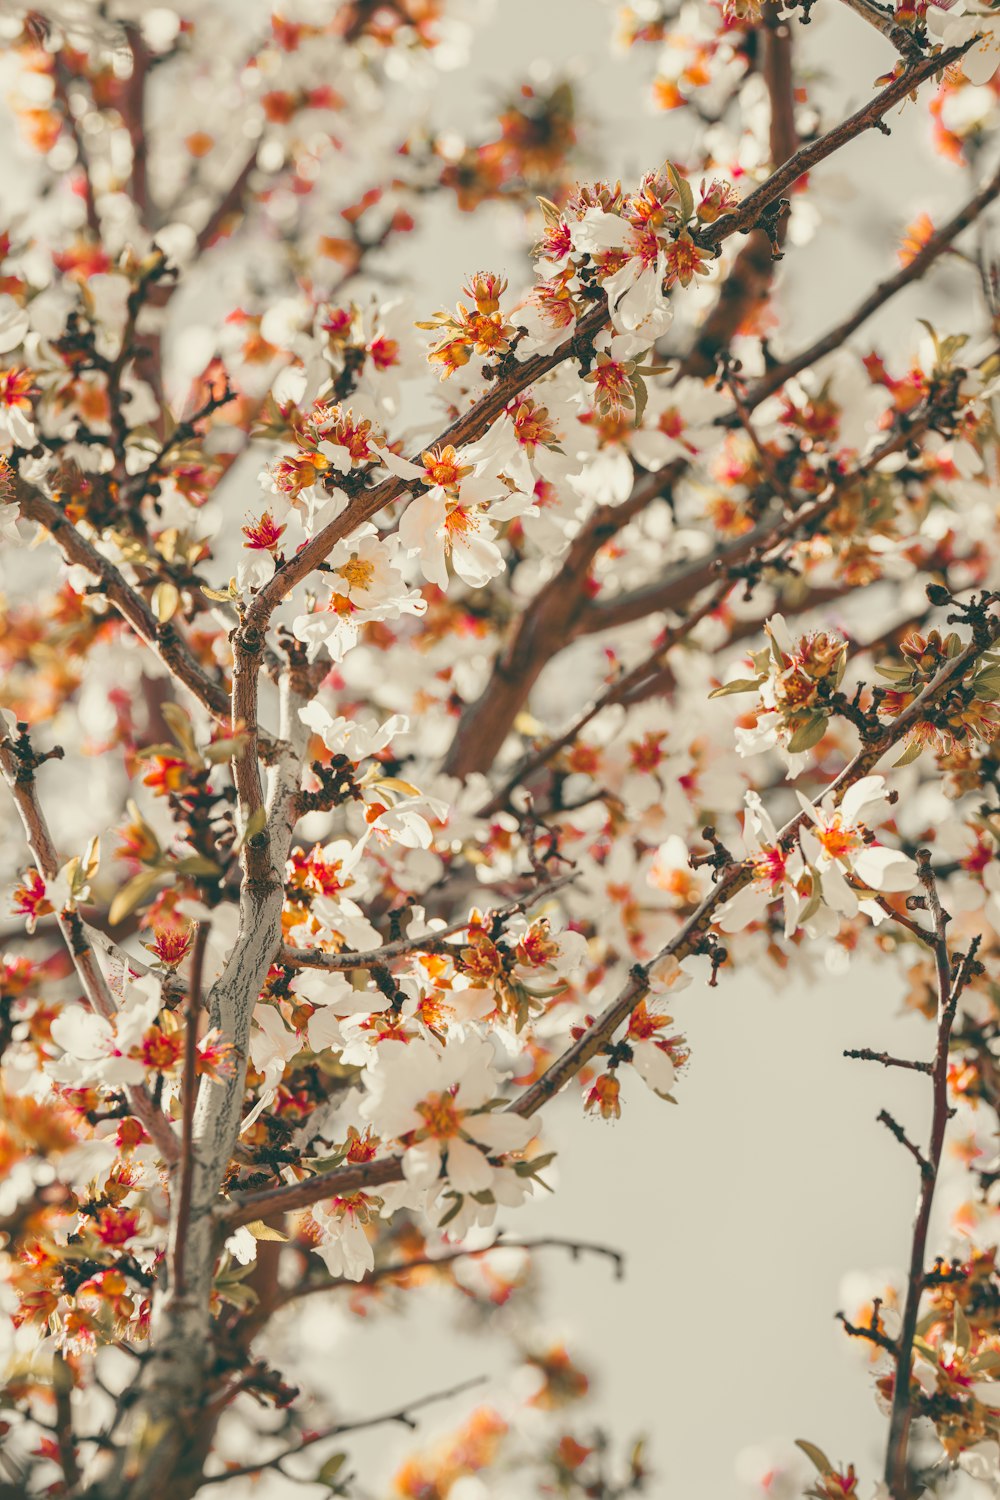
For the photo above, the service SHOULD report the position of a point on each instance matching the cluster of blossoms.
(797, 684)
(422, 807)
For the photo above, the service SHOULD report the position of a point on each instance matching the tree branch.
(17, 766)
(897, 1466)
(246, 1207)
(163, 640)
(401, 1414)
(940, 242)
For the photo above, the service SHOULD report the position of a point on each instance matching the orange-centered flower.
(442, 467)
(441, 1117)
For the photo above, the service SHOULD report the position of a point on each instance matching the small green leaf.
(807, 735)
(684, 192)
(912, 752)
(197, 864)
(893, 674)
(132, 893)
(738, 685)
(331, 1469)
(815, 1455)
(641, 395)
(180, 726)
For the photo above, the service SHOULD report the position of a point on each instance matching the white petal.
(468, 1169)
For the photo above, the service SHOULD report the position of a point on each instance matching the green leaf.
(197, 864)
(331, 1468)
(640, 394)
(256, 823)
(893, 674)
(912, 752)
(816, 1456)
(684, 192)
(452, 1212)
(807, 735)
(738, 685)
(220, 750)
(180, 726)
(131, 894)
(987, 684)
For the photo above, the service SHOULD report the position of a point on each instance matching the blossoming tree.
(401, 656)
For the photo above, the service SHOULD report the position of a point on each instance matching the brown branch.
(189, 1095)
(900, 1422)
(895, 1129)
(576, 1248)
(61, 77)
(246, 1207)
(62, 1384)
(17, 766)
(748, 282)
(865, 1054)
(229, 205)
(938, 244)
(885, 21)
(625, 688)
(133, 112)
(748, 214)
(164, 640)
(247, 652)
(429, 942)
(872, 1332)
(683, 582)
(400, 1414)
(548, 624)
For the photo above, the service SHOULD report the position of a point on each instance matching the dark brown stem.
(748, 215)
(402, 1269)
(865, 1054)
(897, 1467)
(164, 640)
(939, 243)
(60, 84)
(189, 1095)
(400, 1414)
(547, 625)
(134, 112)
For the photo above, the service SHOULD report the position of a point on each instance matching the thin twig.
(428, 942)
(865, 1054)
(401, 1414)
(949, 991)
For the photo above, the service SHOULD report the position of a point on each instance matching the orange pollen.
(440, 1115)
(443, 467)
(459, 521)
(838, 840)
(357, 573)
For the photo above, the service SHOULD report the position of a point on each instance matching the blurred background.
(768, 1198)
